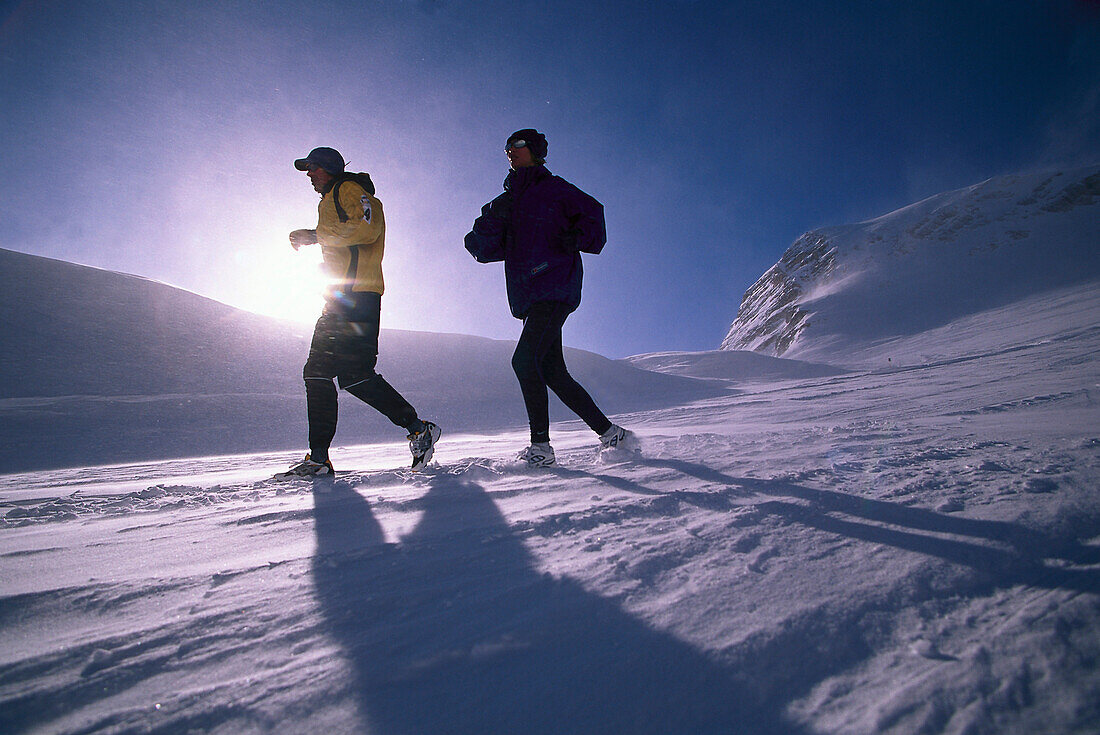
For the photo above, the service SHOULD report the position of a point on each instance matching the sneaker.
(540, 454)
(613, 437)
(422, 444)
(308, 468)
(617, 439)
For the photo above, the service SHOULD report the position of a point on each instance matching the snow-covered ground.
(911, 547)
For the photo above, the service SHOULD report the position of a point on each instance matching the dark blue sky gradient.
(156, 137)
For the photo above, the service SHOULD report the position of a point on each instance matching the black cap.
(535, 141)
(327, 158)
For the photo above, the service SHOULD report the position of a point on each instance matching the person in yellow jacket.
(351, 230)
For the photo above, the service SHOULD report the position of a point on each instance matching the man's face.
(319, 177)
(519, 156)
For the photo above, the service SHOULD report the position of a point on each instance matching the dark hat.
(535, 141)
(327, 158)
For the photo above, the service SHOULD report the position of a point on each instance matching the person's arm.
(585, 230)
(365, 223)
(486, 240)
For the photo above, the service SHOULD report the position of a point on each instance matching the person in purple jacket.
(539, 227)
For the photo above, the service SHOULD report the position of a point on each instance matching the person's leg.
(384, 398)
(537, 334)
(321, 399)
(558, 379)
(358, 377)
(539, 363)
(359, 349)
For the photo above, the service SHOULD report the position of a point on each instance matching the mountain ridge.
(917, 268)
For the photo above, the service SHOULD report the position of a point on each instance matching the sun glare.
(284, 283)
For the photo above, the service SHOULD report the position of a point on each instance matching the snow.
(924, 266)
(901, 538)
(907, 550)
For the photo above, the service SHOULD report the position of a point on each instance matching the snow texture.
(907, 546)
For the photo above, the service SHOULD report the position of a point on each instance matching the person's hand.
(298, 238)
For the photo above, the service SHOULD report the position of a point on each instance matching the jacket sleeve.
(586, 230)
(486, 240)
(365, 220)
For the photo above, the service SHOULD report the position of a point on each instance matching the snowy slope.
(100, 367)
(907, 550)
(840, 289)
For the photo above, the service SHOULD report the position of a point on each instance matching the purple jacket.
(539, 226)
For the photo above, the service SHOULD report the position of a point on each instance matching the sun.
(283, 283)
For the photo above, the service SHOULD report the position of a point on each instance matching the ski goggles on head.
(514, 144)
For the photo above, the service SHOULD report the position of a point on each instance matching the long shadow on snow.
(455, 630)
(1024, 562)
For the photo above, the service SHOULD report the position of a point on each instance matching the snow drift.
(737, 366)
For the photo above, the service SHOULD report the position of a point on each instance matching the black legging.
(539, 363)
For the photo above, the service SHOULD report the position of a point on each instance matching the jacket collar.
(519, 179)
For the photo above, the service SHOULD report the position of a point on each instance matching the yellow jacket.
(352, 250)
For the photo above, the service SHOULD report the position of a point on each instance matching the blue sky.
(157, 138)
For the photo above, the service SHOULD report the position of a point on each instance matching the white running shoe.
(617, 439)
(422, 444)
(539, 454)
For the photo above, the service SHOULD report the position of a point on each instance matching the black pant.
(539, 363)
(348, 351)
